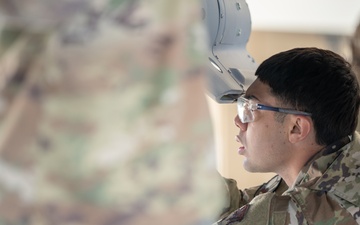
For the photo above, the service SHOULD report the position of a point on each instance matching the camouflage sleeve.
(103, 117)
(236, 198)
(267, 208)
(300, 207)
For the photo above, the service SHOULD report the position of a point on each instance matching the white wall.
(338, 17)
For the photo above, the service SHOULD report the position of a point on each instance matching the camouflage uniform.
(103, 118)
(327, 191)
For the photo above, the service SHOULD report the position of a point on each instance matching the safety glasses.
(247, 107)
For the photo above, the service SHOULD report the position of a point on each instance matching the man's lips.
(241, 149)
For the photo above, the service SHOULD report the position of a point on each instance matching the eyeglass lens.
(244, 112)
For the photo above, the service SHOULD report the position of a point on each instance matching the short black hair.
(317, 81)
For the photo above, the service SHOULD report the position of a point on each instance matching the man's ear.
(300, 127)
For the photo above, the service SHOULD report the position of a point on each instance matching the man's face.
(264, 142)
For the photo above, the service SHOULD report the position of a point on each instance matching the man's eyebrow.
(251, 97)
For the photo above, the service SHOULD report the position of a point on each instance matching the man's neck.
(291, 172)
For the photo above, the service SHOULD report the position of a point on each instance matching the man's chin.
(251, 168)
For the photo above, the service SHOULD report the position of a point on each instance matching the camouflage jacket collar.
(330, 165)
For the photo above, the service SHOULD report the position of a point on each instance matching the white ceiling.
(338, 17)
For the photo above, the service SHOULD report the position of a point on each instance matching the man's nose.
(239, 124)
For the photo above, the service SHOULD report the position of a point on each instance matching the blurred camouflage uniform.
(102, 115)
(355, 50)
(327, 191)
